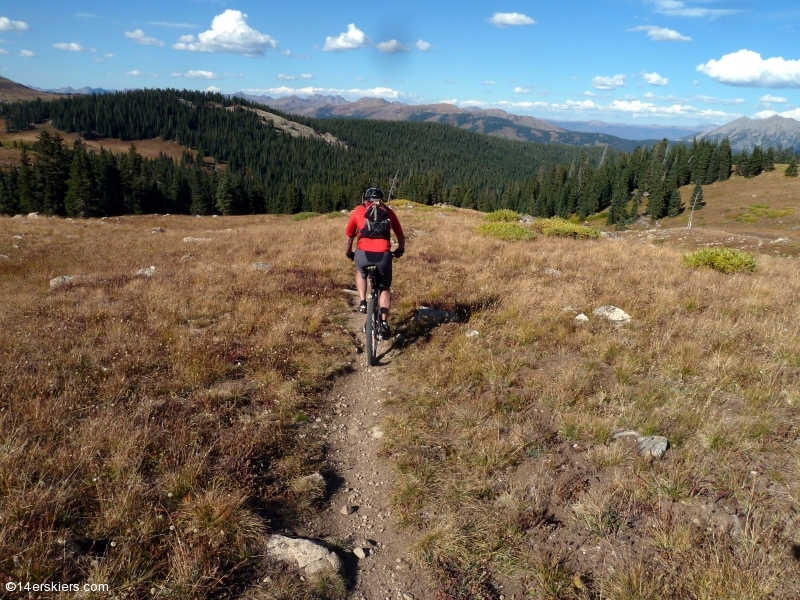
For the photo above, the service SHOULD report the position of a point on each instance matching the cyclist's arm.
(350, 232)
(398, 230)
(348, 243)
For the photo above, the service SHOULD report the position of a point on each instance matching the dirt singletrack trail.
(364, 485)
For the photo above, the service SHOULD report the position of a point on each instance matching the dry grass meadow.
(154, 431)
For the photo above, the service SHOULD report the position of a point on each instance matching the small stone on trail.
(582, 318)
(159, 230)
(376, 433)
(408, 596)
(348, 509)
(186, 257)
(260, 266)
(359, 552)
(4, 257)
(473, 333)
(612, 313)
(146, 272)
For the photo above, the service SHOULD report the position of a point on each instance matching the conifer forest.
(237, 163)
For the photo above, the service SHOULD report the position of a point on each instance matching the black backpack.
(376, 225)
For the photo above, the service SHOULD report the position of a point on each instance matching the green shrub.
(506, 231)
(725, 260)
(303, 216)
(563, 228)
(503, 216)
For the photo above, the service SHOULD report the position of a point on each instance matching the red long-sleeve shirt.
(356, 224)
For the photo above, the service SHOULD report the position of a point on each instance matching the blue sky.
(681, 62)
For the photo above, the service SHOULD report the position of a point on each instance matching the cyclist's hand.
(350, 254)
(399, 252)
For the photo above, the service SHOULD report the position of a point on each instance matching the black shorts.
(383, 260)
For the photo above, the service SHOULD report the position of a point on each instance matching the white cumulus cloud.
(71, 47)
(352, 39)
(423, 45)
(198, 74)
(138, 36)
(655, 79)
(283, 77)
(522, 90)
(489, 82)
(392, 46)
(773, 99)
(3, 52)
(662, 34)
(26, 54)
(510, 19)
(608, 83)
(306, 76)
(747, 68)
(229, 33)
(212, 88)
(109, 55)
(134, 73)
(7, 24)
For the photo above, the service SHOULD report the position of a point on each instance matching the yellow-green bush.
(502, 216)
(725, 260)
(505, 231)
(563, 228)
(304, 215)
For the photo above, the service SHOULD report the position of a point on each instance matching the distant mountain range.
(745, 133)
(636, 132)
(72, 91)
(492, 122)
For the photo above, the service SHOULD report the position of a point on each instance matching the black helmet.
(373, 194)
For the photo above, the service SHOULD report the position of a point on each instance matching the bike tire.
(371, 330)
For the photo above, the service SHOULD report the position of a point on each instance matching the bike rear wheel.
(371, 330)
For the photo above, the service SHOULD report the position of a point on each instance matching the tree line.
(242, 165)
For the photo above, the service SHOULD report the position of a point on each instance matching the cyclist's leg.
(385, 269)
(361, 274)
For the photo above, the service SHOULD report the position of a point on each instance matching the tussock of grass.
(562, 228)
(510, 232)
(304, 215)
(504, 215)
(725, 260)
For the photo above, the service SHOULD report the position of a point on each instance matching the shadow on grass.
(419, 324)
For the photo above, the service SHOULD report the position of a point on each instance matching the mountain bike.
(372, 326)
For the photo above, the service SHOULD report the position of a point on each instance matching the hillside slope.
(493, 122)
(11, 91)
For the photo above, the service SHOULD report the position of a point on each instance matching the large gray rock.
(612, 313)
(309, 555)
(62, 280)
(653, 445)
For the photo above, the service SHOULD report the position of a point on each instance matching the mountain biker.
(372, 223)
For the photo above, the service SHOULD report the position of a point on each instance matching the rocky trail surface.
(359, 513)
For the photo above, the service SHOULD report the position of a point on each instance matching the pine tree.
(769, 160)
(675, 206)
(25, 185)
(791, 170)
(725, 160)
(82, 199)
(223, 200)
